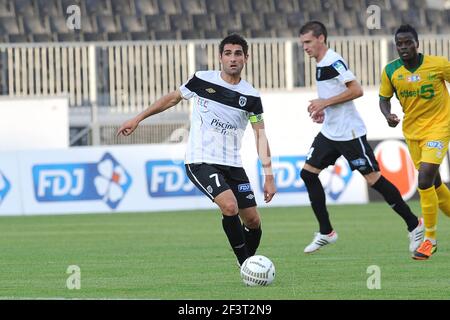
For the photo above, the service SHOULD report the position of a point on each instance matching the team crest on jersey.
(210, 90)
(242, 101)
(400, 77)
(414, 78)
(431, 76)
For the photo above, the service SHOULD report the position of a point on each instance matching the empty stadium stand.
(119, 20)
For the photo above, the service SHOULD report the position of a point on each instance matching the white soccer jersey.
(342, 121)
(220, 114)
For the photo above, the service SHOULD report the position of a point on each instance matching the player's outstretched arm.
(263, 149)
(385, 107)
(160, 105)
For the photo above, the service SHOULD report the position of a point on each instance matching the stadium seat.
(132, 24)
(68, 37)
(17, 38)
(242, 6)
(157, 22)
(42, 37)
(121, 7)
(400, 5)
(67, 3)
(146, 7)
(228, 21)
(275, 20)
(6, 10)
(140, 36)
(286, 6)
(295, 20)
(48, 8)
(309, 5)
(35, 25)
(180, 21)
(118, 36)
(435, 17)
(98, 7)
(193, 6)
(261, 33)
(331, 5)
(389, 19)
(346, 19)
(167, 35)
(58, 24)
(217, 6)
(414, 17)
(107, 24)
(213, 34)
(93, 36)
(252, 21)
(327, 18)
(169, 6)
(9, 25)
(24, 8)
(204, 22)
(263, 6)
(192, 34)
(286, 33)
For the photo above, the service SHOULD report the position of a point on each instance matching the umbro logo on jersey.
(210, 90)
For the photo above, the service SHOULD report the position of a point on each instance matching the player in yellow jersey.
(418, 81)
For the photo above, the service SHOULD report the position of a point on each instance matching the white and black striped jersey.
(342, 121)
(220, 114)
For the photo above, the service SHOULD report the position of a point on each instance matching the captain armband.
(256, 118)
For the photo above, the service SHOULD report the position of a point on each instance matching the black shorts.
(324, 152)
(213, 179)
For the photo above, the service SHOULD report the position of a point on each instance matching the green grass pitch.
(185, 255)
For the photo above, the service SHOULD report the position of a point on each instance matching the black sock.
(393, 197)
(252, 238)
(233, 229)
(318, 202)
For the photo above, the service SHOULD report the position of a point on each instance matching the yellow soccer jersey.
(423, 96)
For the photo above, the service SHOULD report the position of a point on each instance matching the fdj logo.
(287, 176)
(168, 179)
(5, 185)
(106, 180)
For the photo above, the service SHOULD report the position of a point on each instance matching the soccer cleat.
(321, 240)
(416, 236)
(425, 250)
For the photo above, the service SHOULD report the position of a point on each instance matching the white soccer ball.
(258, 271)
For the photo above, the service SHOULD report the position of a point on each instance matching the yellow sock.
(444, 199)
(429, 204)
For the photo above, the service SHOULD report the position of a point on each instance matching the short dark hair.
(234, 38)
(407, 28)
(317, 27)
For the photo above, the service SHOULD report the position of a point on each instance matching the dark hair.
(316, 27)
(234, 39)
(407, 28)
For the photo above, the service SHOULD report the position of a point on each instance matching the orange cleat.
(425, 250)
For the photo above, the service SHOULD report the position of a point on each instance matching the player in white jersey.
(343, 133)
(223, 105)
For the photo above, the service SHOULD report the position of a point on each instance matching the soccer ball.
(258, 271)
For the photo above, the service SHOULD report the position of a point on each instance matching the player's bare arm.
(160, 105)
(385, 107)
(263, 149)
(354, 90)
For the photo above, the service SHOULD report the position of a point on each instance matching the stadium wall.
(151, 177)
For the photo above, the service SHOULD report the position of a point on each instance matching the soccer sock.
(429, 203)
(393, 197)
(444, 199)
(318, 201)
(252, 238)
(233, 229)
